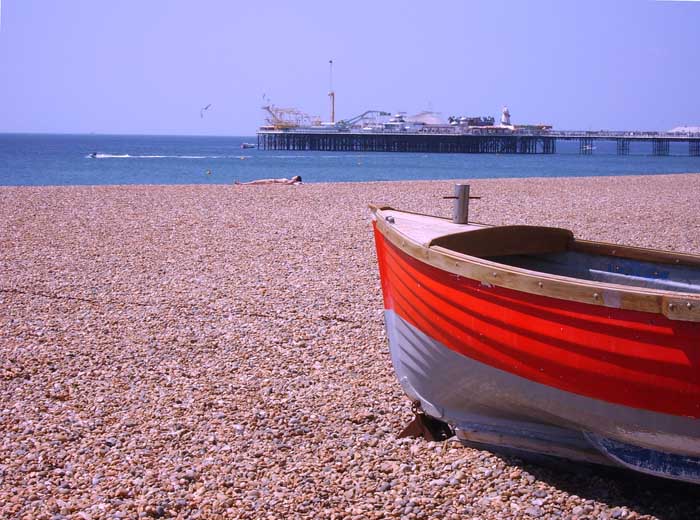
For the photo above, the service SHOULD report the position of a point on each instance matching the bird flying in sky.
(203, 109)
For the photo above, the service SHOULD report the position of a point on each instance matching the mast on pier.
(331, 94)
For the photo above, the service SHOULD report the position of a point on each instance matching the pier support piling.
(585, 146)
(623, 147)
(389, 142)
(660, 146)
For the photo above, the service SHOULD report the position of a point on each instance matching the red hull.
(636, 359)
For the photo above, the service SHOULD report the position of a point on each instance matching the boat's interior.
(556, 251)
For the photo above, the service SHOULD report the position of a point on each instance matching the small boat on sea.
(528, 339)
(245, 146)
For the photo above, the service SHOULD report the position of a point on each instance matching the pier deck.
(474, 140)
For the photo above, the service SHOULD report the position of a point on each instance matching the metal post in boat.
(460, 210)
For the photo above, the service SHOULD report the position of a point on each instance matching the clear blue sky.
(148, 66)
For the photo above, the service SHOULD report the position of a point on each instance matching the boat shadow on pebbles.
(626, 493)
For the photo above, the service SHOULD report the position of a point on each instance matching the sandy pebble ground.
(219, 352)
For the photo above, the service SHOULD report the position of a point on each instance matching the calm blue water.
(64, 160)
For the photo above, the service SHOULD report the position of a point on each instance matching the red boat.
(526, 338)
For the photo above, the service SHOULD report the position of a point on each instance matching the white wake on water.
(127, 156)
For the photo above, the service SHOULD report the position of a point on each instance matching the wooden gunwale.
(634, 253)
(673, 305)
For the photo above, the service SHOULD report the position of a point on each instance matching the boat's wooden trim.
(674, 305)
(374, 208)
(634, 253)
(378, 207)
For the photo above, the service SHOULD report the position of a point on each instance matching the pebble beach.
(218, 351)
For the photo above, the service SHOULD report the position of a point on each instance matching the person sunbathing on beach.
(294, 180)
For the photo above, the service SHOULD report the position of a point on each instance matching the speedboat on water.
(528, 339)
(248, 145)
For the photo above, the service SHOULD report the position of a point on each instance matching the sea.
(73, 160)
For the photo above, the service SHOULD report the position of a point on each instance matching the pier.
(460, 140)
(398, 142)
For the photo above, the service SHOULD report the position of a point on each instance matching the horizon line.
(121, 135)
